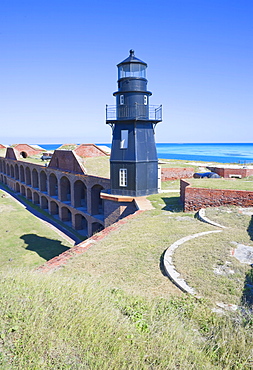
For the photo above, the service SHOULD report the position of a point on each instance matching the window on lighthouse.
(145, 100)
(121, 100)
(124, 139)
(123, 177)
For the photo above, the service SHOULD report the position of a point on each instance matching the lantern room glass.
(132, 70)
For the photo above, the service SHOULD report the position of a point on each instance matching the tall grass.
(48, 322)
(112, 307)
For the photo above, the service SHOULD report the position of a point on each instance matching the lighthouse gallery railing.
(136, 112)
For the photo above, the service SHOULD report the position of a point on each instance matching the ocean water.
(223, 153)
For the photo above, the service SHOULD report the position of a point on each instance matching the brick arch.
(65, 189)
(66, 214)
(80, 194)
(43, 181)
(35, 179)
(28, 176)
(44, 202)
(54, 208)
(16, 172)
(8, 169)
(4, 167)
(53, 185)
(22, 190)
(12, 170)
(17, 188)
(22, 173)
(96, 227)
(23, 154)
(36, 198)
(81, 223)
(29, 194)
(96, 201)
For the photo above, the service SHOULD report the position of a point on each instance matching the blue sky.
(58, 67)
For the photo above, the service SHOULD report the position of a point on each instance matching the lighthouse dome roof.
(132, 59)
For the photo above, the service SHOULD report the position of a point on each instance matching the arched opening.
(66, 215)
(8, 169)
(1, 178)
(81, 224)
(12, 171)
(36, 198)
(23, 154)
(44, 203)
(80, 194)
(23, 190)
(5, 180)
(43, 181)
(4, 167)
(22, 174)
(35, 179)
(96, 201)
(16, 172)
(17, 187)
(54, 208)
(53, 185)
(28, 176)
(96, 227)
(65, 189)
(29, 194)
(1, 166)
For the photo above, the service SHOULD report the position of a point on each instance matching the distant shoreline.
(237, 153)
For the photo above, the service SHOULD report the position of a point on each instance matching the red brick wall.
(12, 153)
(227, 172)
(115, 211)
(176, 173)
(2, 146)
(27, 149)
(196, 198)
(89, 150)
(66, 160)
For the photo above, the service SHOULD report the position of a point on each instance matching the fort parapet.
(65, 190)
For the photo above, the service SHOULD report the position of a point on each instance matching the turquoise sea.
(224, 153)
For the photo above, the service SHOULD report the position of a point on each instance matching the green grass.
(2, 152)
(233, 184)
(173, 163)
(51, 322)
(43, 212)
(25, 240)
(113, 307)
(198, 260)
(34, 159)
(171, 185)
(68, 147)
(98, 166)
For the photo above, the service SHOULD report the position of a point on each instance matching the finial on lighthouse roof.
(132, 59)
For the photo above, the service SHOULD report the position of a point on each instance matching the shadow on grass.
(250, 228)
(161, 265)
(46, 248)
(247, 296)
(172, 204)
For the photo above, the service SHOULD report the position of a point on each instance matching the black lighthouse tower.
(133, 162)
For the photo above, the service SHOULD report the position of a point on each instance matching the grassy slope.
(112, 307)
(233, 184)
(25, 240)
(97, 166)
